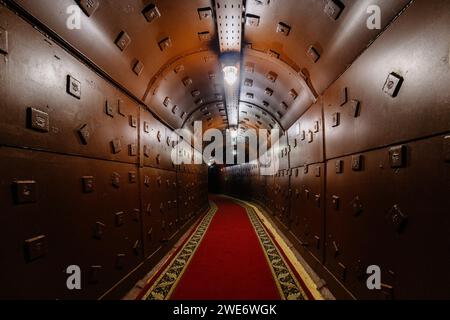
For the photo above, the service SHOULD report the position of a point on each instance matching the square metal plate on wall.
(38, 120)
(73, 87)
(3, 41)
(89, 6)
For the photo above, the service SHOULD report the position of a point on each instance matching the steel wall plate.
(344, 96)
(84, 133)
(313, 54)
(339, 166)
(147, 181)
(138, 67)
(333, 9)
(166, 102)
(133, 121)
(316, 126)
(397, 156)
(132, 149)
(317, 200)
(179, 69)
(204, 36)
(120, 108)
(24, 191)
(336, 202)
(310, 136)
(132, 177)
(272, 76)
(303, 135)
(119, 218)
(115, 180)
(187, 81)
(306, 192)
(393, 84)
(3, 41)
(109, 109)
(335, 121)
(397, 218)
(283, 29)
(205, 13)
(38, 120)
(35, 248)
(99, 229)
(116, 146)
(88, 183)
(357, 206)
(89, 6)
(120, 261)
(151, 13)
(293, 93)
(136, 215)
(146, 127)
(357, 162)
(355, 107)
(273, 54)
(249, 67)
(343, 271)
(165, 44)
(146, 151)
(73, 87)
(387, 291)
(123, 41)
(336, 249)
(252, 20)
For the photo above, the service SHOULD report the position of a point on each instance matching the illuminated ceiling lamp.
(230, 75)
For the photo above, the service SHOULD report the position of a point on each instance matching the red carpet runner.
(230, 256)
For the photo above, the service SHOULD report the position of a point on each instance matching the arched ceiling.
(168, 53)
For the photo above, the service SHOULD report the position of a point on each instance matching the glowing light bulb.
(230, 75)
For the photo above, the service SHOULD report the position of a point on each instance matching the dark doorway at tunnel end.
(214, 179)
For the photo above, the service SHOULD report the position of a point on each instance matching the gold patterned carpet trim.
(295, 264)
(287, 283)
(169, 278)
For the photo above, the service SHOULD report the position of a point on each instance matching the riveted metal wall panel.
(186, 84)
(393, 218)
(306, 138)
(152, 217)
(154, 149)
(184, 201)
(313, 24)
(415, 50)
(92, 225)
(275, 86)
(69, 153)
(283, 153)
(146, 34)
(308, 207)
(75, 122)
(282, 194)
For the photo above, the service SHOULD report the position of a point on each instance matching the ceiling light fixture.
(230, 75)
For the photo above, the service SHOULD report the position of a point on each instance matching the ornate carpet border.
(169, 278)
(287, 283)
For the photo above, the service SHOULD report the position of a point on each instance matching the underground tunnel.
(224, 150)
